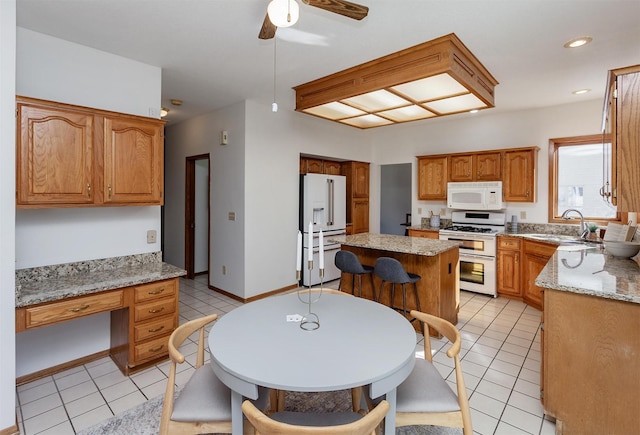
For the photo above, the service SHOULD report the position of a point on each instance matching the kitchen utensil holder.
(434, 221)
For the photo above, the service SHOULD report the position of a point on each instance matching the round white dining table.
(359, 342)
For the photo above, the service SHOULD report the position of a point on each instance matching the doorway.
(395, 198)
(197, 215)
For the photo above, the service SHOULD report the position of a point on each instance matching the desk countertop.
(401, 244)
(592, 272)
(52, 283)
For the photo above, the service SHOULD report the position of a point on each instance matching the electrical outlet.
(443, 211)
(523, 215)
(420, 211)
(232, 216)
(151, 236)
(224, 270)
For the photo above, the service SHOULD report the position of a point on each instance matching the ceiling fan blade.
(342, 7)
(268, 29)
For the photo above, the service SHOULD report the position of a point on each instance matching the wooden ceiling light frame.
(438, 58)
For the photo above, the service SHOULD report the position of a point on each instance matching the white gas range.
(476, 231)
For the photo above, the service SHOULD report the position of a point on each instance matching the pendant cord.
(275, 44)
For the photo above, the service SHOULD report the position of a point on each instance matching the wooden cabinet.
(520, 175)
(330, 167)
(428, 234)
(515, 167)
(357, 178)
(590, 363)
(71, 156)
(623, 104)
(475, 167)
(142, 319)
(154, 316)
(310, 166)
(508, 259)
(54, 155)
(535, 256)
(133, 161)
(432, 177)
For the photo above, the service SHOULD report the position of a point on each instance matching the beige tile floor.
(500, 361)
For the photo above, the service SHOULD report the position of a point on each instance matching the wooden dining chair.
(425, 398)
(307, 423)
(277, 396)
(204, 403)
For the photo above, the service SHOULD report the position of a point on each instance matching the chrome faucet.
(584, 232)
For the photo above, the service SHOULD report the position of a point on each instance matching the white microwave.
(482, 195)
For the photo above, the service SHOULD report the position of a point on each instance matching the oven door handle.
(480, 257)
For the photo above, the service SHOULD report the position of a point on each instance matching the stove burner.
(468, 229)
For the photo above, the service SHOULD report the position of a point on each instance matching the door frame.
(189, 213)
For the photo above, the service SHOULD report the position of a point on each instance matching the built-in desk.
(141, 296)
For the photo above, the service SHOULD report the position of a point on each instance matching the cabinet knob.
(89, 190)
(109, 189)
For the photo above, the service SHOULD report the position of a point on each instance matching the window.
(578, 168)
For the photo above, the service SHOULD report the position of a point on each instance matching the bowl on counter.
(621, 249)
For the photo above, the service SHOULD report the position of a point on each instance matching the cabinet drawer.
(152, 349)
(67, 310)
(508, 243)
(154, 290)
(154, 309)
(154, 328)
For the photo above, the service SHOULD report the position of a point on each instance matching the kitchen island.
(436, 261)
(591, 342)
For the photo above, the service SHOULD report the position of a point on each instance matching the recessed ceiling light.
(578, 42)
(164, 112)
(474, 111)
(581, 91)
(176, 102)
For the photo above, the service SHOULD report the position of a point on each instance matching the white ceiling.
(211, 56)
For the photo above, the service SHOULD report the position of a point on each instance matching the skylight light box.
(435, 78)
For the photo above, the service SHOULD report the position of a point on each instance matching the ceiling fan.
(342, 7)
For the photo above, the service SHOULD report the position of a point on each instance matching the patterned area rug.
(145, 418)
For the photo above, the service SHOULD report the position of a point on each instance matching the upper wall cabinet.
(515, 167)
(520, 175)
(54, 156)
(623, 113)
(475, 167)
(71, 156)
(133, 161)
(432, 177)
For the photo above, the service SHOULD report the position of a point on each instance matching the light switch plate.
(232, 215)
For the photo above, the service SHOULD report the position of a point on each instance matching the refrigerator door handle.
(331, 205)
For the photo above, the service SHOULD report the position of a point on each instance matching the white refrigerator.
(323, 203)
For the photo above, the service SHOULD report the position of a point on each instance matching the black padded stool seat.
(348, 262)
(391, 270)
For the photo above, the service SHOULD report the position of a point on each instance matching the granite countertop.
(34, 288)
(392, 243)
(591, 272)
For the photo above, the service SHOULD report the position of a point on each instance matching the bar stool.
(391, 270)
(348, 262)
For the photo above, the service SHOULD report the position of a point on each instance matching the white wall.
(58, 70)
(7, 213)
(466, 132)
(256, 177)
